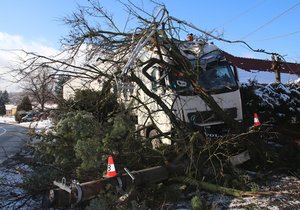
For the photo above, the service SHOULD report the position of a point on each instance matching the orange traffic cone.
(111, 170)
(256, 120)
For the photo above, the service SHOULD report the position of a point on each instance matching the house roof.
(10, 106)
(249, 64)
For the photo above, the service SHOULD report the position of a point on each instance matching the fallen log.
(213, 188)
(79, 192)
(288, 131)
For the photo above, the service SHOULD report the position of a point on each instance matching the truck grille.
(209, 116)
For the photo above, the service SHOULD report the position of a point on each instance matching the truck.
(217, 76)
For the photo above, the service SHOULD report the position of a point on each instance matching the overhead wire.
(219, 38)
(242, 13)
(278, 37)
(272, 20)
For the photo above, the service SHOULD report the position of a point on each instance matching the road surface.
(12, 138)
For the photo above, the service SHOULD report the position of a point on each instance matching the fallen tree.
(86, 133)
(210, 162)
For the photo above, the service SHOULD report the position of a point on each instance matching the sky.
(271, 25)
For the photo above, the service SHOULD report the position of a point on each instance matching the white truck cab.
(214, 74)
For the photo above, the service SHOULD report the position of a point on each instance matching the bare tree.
(39, 86)
(104, 52)
(97, 49)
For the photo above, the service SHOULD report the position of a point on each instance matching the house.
(72, 85)
(10, 109)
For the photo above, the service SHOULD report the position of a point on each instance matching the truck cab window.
(218, 78)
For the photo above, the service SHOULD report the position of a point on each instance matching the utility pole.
(76, 193)
(277, 66)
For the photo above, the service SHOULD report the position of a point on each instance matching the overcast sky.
(272, 25)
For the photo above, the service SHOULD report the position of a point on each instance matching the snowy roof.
(10, 106)
(261, 65)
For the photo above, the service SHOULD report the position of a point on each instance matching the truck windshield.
(217, 78)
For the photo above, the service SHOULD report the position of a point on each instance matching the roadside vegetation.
(95, 124)
(4, 99)
(78, 147)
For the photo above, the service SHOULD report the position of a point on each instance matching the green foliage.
(2, 109)
(274, 102)
(134, 205)
(25, 105)
(59, 147)
(119, 132)
(107, 201)
(4, 99)
(81, 144)
(88, 151)
(197, 203)
(82, 138)
(99, 103)
(81, 141)
(41, 179)
(115, 138)
(250, 102)
(98, 204)
(77, 125)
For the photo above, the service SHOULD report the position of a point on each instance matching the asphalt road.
(12, 138)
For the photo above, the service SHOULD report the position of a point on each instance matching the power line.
(278, 37)
(242, 13)
(272, 20)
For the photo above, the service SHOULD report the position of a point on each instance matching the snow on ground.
(282, 191)
(7, 119)
(12, 171)
(38, 125)
(12, 196)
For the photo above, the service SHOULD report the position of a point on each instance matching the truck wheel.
(156, 142)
